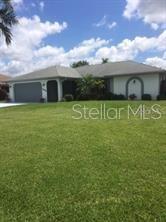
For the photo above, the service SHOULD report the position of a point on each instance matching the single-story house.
(52, 83)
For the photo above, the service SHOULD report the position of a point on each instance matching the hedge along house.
(51, 84)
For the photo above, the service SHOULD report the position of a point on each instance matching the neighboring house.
(4, 79)
(51, 84)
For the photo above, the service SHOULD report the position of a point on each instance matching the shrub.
(161, 97)
(118, 97)
(108, 96)
(146, 97)
(132, 96)
(105, 96)
(68, 97)
(112, 96)
(87, 97)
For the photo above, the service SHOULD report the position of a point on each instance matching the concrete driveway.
(4, 105)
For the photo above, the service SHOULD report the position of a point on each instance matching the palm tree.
(7, 19)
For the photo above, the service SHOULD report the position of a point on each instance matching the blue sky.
(64, 31)
(81, 17)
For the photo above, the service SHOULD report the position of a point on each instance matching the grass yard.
(56, 169)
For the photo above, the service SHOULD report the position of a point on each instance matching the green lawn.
(56, 169)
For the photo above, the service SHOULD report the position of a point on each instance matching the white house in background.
(52, 83)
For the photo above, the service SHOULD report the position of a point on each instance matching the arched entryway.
(52, 91)
(135, 86)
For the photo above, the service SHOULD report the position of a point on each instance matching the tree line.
(85, 63)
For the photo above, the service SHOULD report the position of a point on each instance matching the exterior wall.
(151, 84)
(111, 85)
(44, 88)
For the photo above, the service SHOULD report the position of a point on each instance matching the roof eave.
(40, 79)
(136, 73)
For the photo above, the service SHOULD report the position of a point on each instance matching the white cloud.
(154, 26)
(28, 51)
(41, 5)
(86, 47)
(112, 25)
(104, 22)
(28, 37)
(38, 5)
(129, 49)
(49, 55)
(17, 3)
(152, 12)
(157, 61)
(131, 8)
(33, 4)
(48, 51)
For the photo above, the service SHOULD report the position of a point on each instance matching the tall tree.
(7, 19)
(105, 60)
(79, 63)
